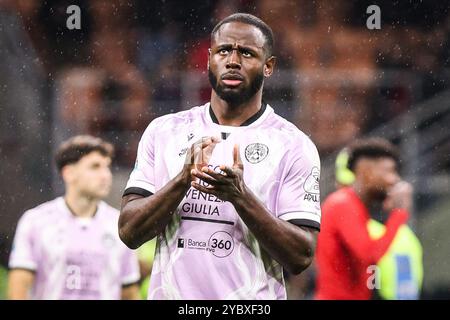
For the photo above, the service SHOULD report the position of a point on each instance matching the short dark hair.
(73, 149)
(371, 148)
(251, 20)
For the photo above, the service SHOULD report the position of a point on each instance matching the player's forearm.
(141, 219)
(359, 242)
(130, 292)
(397, 218)
(19, 284)
(18, 294)
(292, 246)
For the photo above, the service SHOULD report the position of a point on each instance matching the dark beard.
(379, 195)
(238, 97)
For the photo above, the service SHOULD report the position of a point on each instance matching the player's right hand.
(199, 155)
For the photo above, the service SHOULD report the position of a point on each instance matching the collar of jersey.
(254, 120)
(63, 205)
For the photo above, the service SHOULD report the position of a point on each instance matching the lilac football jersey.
(207, 251)
(73, 258)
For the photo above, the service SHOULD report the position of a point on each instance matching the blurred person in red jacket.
(346, 254)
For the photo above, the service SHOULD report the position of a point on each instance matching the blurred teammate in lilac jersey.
(230, 188)
(69, 248)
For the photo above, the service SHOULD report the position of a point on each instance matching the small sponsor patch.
(311, 184)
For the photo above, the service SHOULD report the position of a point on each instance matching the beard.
(379, 195)
(238, 96)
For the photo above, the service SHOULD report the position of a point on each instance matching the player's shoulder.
(174, 120)
(108, 218)
(107, 211)
(297, 145)
(41, 211)
(341, 197)
(290, 132)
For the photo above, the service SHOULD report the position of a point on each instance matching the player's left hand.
(228, 185)
(399, 196)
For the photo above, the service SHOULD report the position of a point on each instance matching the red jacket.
(345, 249)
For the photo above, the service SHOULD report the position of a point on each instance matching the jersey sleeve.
(129, 273)
(142, 178)
(299, 196)
(350, 225)
(23, 253)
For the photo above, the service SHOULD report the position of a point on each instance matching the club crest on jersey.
(256, 152)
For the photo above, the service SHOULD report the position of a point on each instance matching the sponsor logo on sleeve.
(311, 186)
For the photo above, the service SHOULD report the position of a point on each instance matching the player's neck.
(362, 193)
(80, 206)
(235, 115)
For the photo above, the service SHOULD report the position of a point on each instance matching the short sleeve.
(24, 253)
(142, 178)
(299, 196)
(129, 273)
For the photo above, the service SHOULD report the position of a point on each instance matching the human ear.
(68, 173)
(269, 66)
(209, 57)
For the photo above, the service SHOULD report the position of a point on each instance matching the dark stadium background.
(135, 60)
